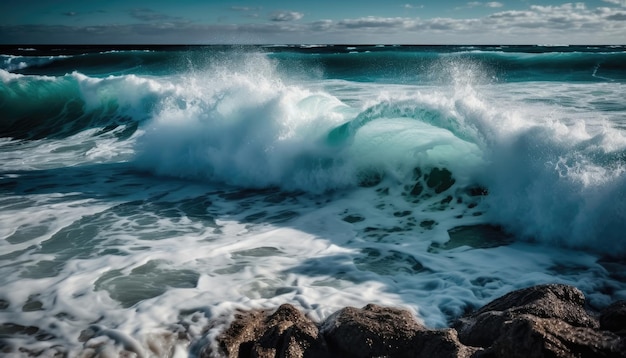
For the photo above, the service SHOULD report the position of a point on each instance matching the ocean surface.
(146, 193)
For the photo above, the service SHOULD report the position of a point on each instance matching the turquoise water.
(148, 191)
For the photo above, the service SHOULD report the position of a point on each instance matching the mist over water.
(142, 198)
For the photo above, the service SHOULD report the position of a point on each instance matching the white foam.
(92, 241)
(249, 130)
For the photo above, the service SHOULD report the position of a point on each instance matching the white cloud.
(494, 4)
(616, 2)
(474, 4)
(567, 23)
(376, 22)
(286, 16)
(245, 8)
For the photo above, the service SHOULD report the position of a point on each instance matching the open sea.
(146, 193)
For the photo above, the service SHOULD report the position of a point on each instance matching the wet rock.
(441, 343)
(371, 331)
(539, 321)
(484, 326)
(290, 334)
(285, 333)
(528, 336)
(613, 318)
(382, 331)
(238, 339)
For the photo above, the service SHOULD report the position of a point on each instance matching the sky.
(312, 22)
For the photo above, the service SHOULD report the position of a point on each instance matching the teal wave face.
(432, 64)
(436, 117)
(385, 64)
(36, 107)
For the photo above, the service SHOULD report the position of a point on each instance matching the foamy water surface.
(138, 211)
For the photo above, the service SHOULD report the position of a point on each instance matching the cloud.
(322, 25)
(620, 16)
(286, 16)
(70, 13)
(567, 23)
(473, 4)
(247, 11)
(145, 14)
(245, 8)
(411, 6)
(616, 2)
(493, 4)
(376, 22)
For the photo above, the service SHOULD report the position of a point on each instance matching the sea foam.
(146, 207)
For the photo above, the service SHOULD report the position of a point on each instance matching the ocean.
(149, 192)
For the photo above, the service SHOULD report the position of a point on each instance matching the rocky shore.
(540, 321)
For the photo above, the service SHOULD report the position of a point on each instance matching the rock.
(285, 333)
(483, 327)
(539, 321)
(371, 331)
(238, 338)
(382, 331)
(528, 336)
(441, 343)
(613, 318)
(290, 334)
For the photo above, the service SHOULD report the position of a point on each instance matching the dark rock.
(563, 302)
(528, 336)
(613, 318)
(238, 339)
(290, 334)
(285, 333)
(441, 343)
(539, 321)
(381, 331)
(371, 331)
